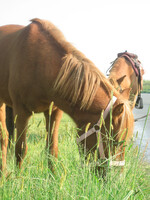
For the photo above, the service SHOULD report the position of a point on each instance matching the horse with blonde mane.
(126, 71)
(38, 66)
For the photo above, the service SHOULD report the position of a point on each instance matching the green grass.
(73, 178)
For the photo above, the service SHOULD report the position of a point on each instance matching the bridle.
(96, 129)
(136, 65)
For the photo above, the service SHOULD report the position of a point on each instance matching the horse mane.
(54, 34)
(78, 78)
(128, 117)
(50, 29)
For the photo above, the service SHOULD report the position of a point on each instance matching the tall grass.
(73, 177)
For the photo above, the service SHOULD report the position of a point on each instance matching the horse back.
(29, 64)
(7, 34)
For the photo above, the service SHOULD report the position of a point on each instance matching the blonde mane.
(78, 78)
(126, 124)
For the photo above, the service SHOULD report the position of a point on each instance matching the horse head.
(118, 126)
(114, 129)
(126, 71)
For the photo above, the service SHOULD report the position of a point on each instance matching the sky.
(99, 28)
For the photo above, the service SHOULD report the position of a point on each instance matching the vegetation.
(74, 178)
(146, 86)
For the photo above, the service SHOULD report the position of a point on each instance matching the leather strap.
(93, 129)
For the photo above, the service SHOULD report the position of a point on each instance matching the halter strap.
(95, 130)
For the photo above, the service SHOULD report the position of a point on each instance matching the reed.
(74, 178)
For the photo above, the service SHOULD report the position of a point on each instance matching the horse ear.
(118, 110)
(119, 81)
(126, 93)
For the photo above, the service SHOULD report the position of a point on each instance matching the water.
(139, 125)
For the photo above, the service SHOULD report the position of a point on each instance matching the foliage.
(73, 177)
(146, 86)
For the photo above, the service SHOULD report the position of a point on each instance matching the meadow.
(74, 177)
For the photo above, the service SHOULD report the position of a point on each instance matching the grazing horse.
(126, 71)
(38, 66)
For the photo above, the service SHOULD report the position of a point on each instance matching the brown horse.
(38, 66)
(126, 71)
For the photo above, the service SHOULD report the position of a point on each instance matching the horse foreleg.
(10, 123)
(4, 136)
(52, 126)
(22, 118)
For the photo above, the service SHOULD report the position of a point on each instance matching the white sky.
(98, 28)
